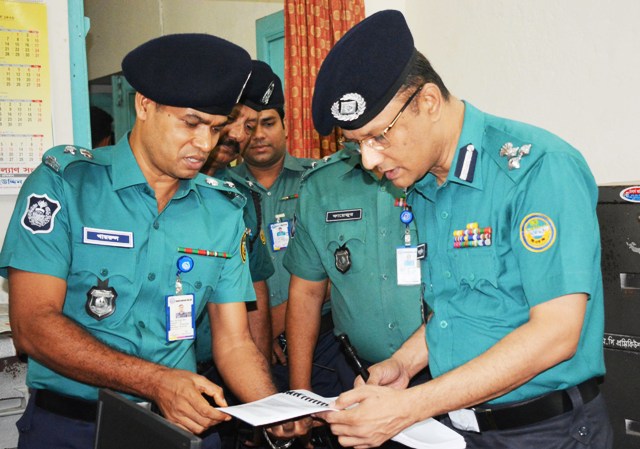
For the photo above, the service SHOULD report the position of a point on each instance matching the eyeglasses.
(380, 142)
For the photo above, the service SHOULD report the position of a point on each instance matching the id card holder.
(180, 317)
(279, 235)
(408, 265)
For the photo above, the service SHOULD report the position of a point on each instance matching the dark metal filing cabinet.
(619, 217)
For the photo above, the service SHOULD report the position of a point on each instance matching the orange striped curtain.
(312, 27)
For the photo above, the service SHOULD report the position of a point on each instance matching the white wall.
(569, 66)
(118, 26)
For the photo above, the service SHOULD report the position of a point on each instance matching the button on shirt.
(287, 184)
(367, 304)
(480, 294)
(110, 193)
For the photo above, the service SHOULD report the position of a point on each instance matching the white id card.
(180, 317)
(279, 235)
(408, 265)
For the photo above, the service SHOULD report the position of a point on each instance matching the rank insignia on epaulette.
(70, 149)
(230, 184)
(211, 182)
(52, 162)
(514, 154)
(86, 153)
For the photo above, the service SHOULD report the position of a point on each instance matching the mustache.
(233, 144)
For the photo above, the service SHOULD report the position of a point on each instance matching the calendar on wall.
(25, 96)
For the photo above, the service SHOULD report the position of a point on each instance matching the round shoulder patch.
(537, 232)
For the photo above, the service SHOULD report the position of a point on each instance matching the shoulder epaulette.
(227, 188)
(512, 154)
(58, 158)
(238, 180)
(318, 164)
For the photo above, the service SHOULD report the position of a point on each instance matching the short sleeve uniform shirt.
(514, 225)
(90, 218)
(342, 205)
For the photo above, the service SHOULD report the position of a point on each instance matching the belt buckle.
(465, 419)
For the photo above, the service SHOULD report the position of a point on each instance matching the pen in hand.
(352, 357)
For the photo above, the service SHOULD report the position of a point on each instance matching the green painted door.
(270, 41)
(124, 110)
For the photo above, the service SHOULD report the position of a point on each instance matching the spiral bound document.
(427, 434)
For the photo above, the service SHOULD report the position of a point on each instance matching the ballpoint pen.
(352, 356)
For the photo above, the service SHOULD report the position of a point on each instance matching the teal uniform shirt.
(260, 264)
(367, 303)
(277, 201)
(543, 243)
(90, 218)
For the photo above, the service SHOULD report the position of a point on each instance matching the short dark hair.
(101, 125)
(420, 73)
(280, 111)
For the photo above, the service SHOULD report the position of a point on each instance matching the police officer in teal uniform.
(270, 171)
(512, 266)
(275, 175)
(233, 140)
(348, 229)
(105, 247)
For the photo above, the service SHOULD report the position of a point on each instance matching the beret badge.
(267, 95)
(349, 107)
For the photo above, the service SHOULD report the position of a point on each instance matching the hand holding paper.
(428, 434)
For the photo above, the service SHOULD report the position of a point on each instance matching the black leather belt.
(60, 404)
(504, 417)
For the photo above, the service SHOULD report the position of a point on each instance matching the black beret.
(198, 71)
(362, 72)
(264, 90)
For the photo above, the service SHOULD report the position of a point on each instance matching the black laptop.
(123, 424)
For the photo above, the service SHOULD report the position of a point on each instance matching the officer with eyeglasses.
(350, 234)
(511, 267)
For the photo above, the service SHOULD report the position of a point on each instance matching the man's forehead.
(203, 117)
(268, 113)
(241, 111)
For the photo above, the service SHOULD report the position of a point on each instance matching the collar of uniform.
(293, 163)
(472, 133)
(126, 171)
(290, 163)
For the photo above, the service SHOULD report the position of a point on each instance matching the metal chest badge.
(101, 300)
(514, 154)
(343, 259)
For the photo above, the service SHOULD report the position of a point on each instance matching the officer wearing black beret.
(107, 247)
(234, 138)
(511, 267)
